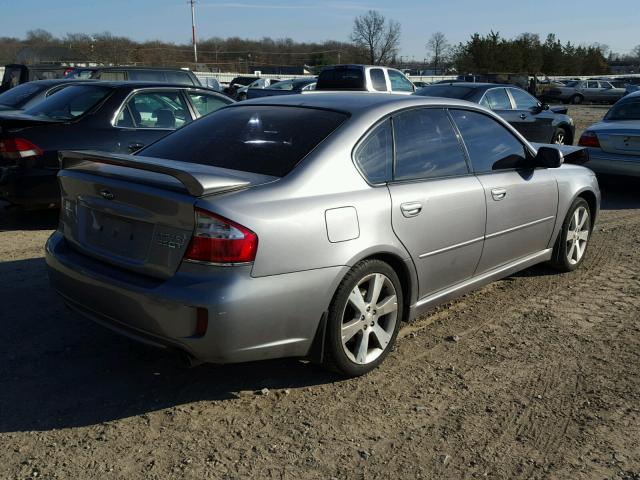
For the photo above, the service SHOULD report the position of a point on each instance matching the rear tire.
(560, 137)
(570, 248)
(364, 319)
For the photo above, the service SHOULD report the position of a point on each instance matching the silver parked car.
(311, 225)
(578, 91)
(614, 143)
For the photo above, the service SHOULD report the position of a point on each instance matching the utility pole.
(193, 31)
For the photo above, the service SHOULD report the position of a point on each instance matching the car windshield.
(18, 96)
(572, 84)
(447, 91)
(626, 110)
(70, 103)
(268, 140)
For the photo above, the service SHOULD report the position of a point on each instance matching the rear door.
(438, 206)
(592, 91)
(148, 115)
(521, 202)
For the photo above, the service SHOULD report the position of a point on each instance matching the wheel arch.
(592, 201)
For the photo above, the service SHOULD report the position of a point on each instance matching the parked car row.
(300, 225)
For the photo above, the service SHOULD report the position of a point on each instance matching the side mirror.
(548, 157)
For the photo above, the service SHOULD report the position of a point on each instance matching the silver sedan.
(311, 225)
(614, 143)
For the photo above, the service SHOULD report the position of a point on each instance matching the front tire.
(577, 99)
(364, 319)
(571, 246)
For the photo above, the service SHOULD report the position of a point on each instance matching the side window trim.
(512, 100)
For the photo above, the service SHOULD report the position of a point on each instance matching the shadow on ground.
(619, 193)
(18, 219)
(58, 370)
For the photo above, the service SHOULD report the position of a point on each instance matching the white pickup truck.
(364, 78)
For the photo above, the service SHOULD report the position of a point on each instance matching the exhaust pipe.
(187, 360)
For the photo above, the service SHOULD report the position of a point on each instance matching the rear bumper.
(248, 318)
(32, 187)
(612, 163)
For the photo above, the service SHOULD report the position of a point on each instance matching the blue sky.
(614, 23)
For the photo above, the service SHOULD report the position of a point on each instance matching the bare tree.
(379, 37)
(439, 47)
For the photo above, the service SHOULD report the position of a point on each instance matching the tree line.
(374, 39)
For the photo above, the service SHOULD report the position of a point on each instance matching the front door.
(537, 123)
(521, 202)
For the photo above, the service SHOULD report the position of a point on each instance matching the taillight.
(219, 240)
(589, 139)
(15, 148)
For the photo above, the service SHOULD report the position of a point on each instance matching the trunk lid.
(619, 138)
(137, 212)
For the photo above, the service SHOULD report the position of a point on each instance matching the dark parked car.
(110, 116)
(536, 121)
(175, 76)
(16, 74)
(237, 83)
(26, 95)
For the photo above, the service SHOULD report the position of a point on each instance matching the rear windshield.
(447, 91)
(70, 103)
(268, 140)
(18, 96)
(341, 79)
(626, 110)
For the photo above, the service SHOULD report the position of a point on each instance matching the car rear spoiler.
(198, 180)
(570, 153)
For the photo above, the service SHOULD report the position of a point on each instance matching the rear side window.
(341, 79)
(268, 140)
(157, 109)
(426, 146)
(490, 145)
(146, 76)
(496, 99)
(206, 103)
(399, 83)
(181, 78)
(110, 75)
(378, 81)
(374, 156)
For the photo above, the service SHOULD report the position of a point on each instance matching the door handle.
(411, 209)
(135, 146)
(498, 193)
(523, 116)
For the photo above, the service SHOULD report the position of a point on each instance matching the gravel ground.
(543, 382)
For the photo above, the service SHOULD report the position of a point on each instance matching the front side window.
(378, 81)
(496, 99)
(374, 156)
(523, 100)
(399, 83)
(251, 138)
(426, 146)
(490, 145)
(166, 110)
(206, 103)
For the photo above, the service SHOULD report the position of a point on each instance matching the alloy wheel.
(577, 235)
(559, 140)
(369, 318)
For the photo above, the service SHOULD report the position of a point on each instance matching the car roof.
(125, 67)
(142, 84)
(474, 85)
(353, 103)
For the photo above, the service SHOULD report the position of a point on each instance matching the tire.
(577, 99)
(570, 248)
(560, 137)
(355, 315)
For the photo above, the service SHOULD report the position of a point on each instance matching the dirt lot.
(544, 382)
